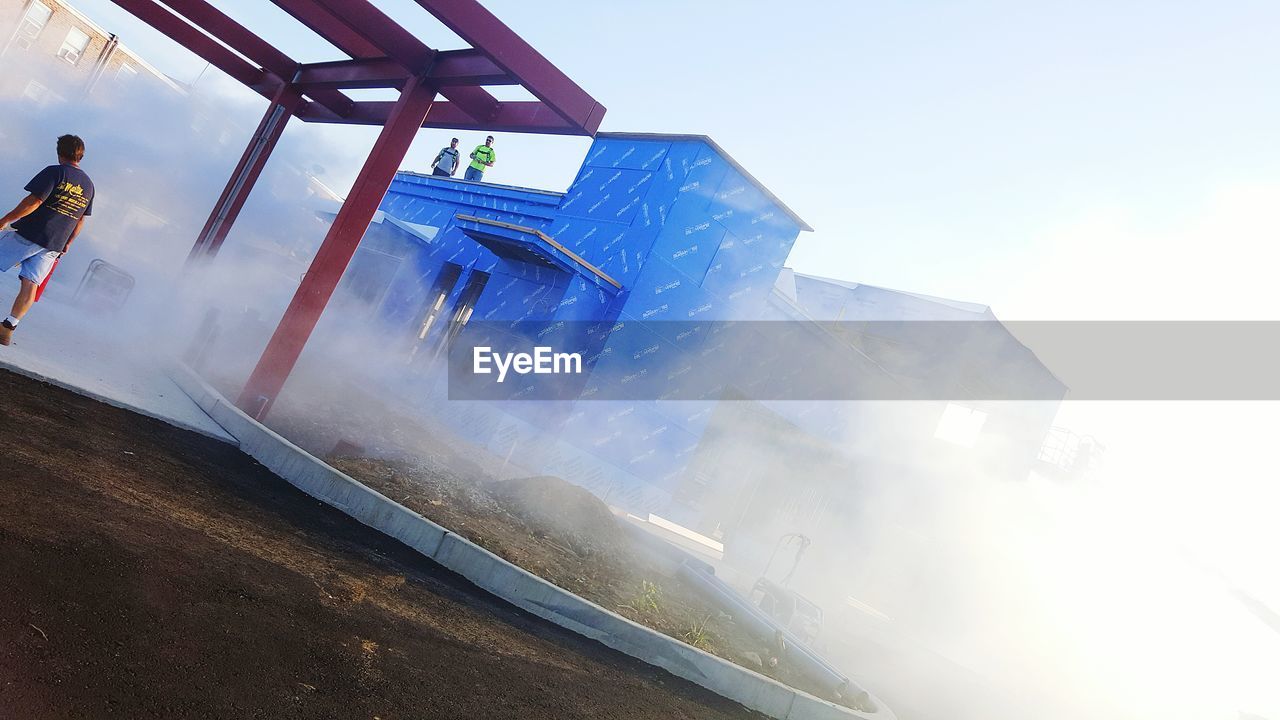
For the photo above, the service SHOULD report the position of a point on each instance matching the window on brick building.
(74, 46)
(32, 23)
(39, 94)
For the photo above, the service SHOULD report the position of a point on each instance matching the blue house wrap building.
(655, 232)
(653, 227)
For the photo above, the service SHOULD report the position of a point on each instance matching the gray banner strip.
(880, 360)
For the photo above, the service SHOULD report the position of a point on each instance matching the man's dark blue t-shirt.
(67, 193)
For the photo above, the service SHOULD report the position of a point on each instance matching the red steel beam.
(483, 31)
(374, 27)
(309, 302)
(360, 30)
(518, 116)
(181, 32)
(467, 67)
(362, 73)
(363, 31)
(332, 28)
(238, 38)
(449, 69)
(243, 178)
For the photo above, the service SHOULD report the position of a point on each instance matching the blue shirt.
(67, 195)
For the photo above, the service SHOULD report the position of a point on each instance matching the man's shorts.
(36, 261)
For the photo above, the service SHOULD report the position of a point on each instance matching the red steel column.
(304, 311)
(255, 156)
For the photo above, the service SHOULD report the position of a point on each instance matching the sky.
(993, 152)
(1055, 161)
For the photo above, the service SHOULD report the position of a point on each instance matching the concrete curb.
(503, 579)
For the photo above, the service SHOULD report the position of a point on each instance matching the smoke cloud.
(949, 592)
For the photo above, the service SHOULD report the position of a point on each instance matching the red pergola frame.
(380, 54)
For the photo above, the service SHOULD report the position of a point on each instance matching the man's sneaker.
(6, 332)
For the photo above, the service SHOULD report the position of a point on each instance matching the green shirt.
(481, 156)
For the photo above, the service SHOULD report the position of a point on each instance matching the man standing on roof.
(482, 157)
(44, 225)
(446, 163)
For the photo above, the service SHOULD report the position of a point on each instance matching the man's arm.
(74, 233)
(23, 209)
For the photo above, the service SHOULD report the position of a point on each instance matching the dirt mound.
(564, 512)
(565, 535)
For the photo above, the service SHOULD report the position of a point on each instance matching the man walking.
(446, 163)
(44, 225)
(482, 157)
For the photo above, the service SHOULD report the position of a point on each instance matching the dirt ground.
(547, 526)
(147, 572)
(567, 536)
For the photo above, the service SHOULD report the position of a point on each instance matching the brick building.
(79, 57)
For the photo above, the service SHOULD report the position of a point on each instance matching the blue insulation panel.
(673, 220)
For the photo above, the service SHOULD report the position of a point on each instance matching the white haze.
(1115, 598)
(998, 600)
(159, 160)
